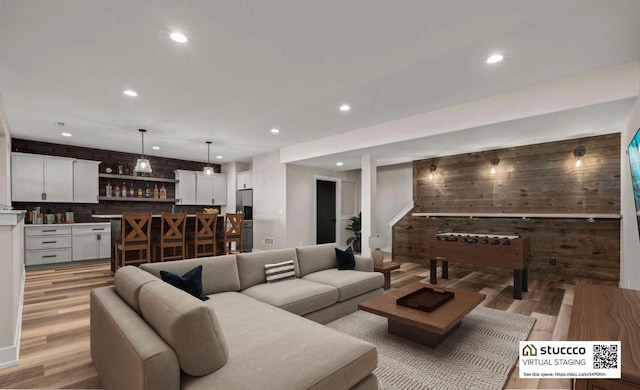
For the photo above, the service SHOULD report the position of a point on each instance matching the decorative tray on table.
(426, 299)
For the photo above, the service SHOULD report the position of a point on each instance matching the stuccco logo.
(547, 350)
(529, 350)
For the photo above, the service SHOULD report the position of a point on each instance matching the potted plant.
(355, 227)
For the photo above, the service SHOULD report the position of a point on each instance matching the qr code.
(605, 356)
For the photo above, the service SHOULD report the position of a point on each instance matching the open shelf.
(138, 178)
(121, 199)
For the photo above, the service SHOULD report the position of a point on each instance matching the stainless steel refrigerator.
(244, 204)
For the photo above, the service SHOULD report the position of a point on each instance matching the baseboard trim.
(9, 356)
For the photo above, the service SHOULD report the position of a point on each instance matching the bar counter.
(116, 230)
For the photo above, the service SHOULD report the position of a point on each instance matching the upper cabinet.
(186, 187)
(36, 178)
(204, 189)
(220, 189)
(195, 188)
(244, 180)
(85, 181)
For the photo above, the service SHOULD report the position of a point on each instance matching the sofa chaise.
(249, 334)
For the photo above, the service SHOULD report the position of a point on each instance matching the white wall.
(231, 170)
(629, 238)
(395, 191)
(269, 201)
(11, 261)
(301, 202)
(5, 159)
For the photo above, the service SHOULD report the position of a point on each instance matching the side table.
(386, 269)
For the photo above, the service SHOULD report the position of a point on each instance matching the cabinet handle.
(97, 229)
(42, 195)
(49, 256)
(45, 195)
(49, 242)
(98, 237)
(49, 231)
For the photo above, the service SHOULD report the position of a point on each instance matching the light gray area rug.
(480, 354)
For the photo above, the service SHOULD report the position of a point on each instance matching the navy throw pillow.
(345, 258)
(190, 282)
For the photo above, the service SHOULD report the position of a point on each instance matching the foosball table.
(511, 252)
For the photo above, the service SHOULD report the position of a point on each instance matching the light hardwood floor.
(54, 351)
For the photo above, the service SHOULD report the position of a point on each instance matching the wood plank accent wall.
(538, 178)
(162, 167)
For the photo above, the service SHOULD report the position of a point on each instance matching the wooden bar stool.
(172, 237)
(233, 233)
(204, 234)
(135, 237)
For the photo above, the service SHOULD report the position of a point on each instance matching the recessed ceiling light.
(178, 37)
(130, 92)
(275, 131)
(155, 147)
(339, 163)
(494, 58)
(345, 107)
(218, 157)
(66, 134)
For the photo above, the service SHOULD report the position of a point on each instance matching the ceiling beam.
(606, 85)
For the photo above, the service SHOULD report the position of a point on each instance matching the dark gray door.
(325, 211)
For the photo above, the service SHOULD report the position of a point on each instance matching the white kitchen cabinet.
(220, 189)
(211, 190)
(27, 178)
(37, 178)
(85, 181)
(204, 189)
(199, 189)
(47, 244)
(186, 187)
(91, 241)
(244, 180)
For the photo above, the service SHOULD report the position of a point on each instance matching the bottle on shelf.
(124, 190)
(140, 191)
(109, 190)
(156, 193)
(163, 192)
(147, 191)
(117, 190)
(132, 191)
(120, 168)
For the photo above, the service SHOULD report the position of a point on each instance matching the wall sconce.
(494, 164)
(578, 153)
(432, 169)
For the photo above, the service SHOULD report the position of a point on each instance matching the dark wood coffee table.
(422, 327)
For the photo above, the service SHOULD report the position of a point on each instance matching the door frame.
(338, 215)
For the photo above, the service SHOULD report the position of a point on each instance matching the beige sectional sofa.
(147, 334)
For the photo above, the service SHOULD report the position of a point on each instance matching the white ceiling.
(253, 65)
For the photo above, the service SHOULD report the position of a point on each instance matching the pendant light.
(143, 165)
(208, 170)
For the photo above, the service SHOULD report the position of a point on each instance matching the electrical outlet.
(270, 241)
